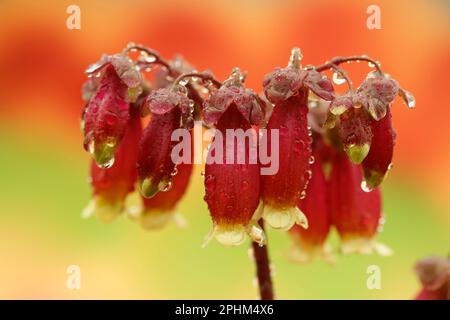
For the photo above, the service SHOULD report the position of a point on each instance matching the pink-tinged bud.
(379, 159)
(356, 134)
(107, 112)
(169, 109)
(112, 185)
(288, 88)
(310, 243)
(375, 94)
(355, 213)
(232, 190)
(434, 275)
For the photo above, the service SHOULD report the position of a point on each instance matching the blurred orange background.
(44, 169)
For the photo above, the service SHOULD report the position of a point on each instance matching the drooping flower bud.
(107, 112)
(434, 275)
(169, 109)
(112, 185)
(310, 243)
(288, 89)
(379, 159)
(232, 184)
(355, 214)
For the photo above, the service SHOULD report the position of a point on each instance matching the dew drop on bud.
(365, 187)
(409, 99)
(165, 185)
(108, 164)
(338, 79)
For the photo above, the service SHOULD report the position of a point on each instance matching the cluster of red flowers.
(334, 150)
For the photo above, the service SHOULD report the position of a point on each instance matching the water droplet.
(303, 195)
(390, 166)
(338, 79)
(174, 172)
(165, 185)
(202, 174)
(365, 187)
(184, 81)
(311, 160)
(409, 99)
(108, 164)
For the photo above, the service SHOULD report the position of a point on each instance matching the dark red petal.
(154, 162)
(356, 134)
(111, 186)
(246, 100)
(355, 213)
(231, 189)
(379, 158)
(106, 118)
(315, 206)
(281, 191)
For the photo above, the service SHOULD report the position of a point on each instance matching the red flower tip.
(232, 92)
(355, 213)
(111, 186)
(232, 189)
(310, 243)
(106, 117)
(379, 159)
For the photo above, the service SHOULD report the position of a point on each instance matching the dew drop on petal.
(108, 164)
(409, 99)
(165, 185)
(311, 160)
(338, 79)
(365, 186)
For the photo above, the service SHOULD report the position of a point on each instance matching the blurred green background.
(43, 168)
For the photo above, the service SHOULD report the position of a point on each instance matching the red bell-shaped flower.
(355, 213)
(112, 185)
(170, 109)
(288, 89)
(232, 184)
(379, 159)
(315, 205)
(106, 116)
